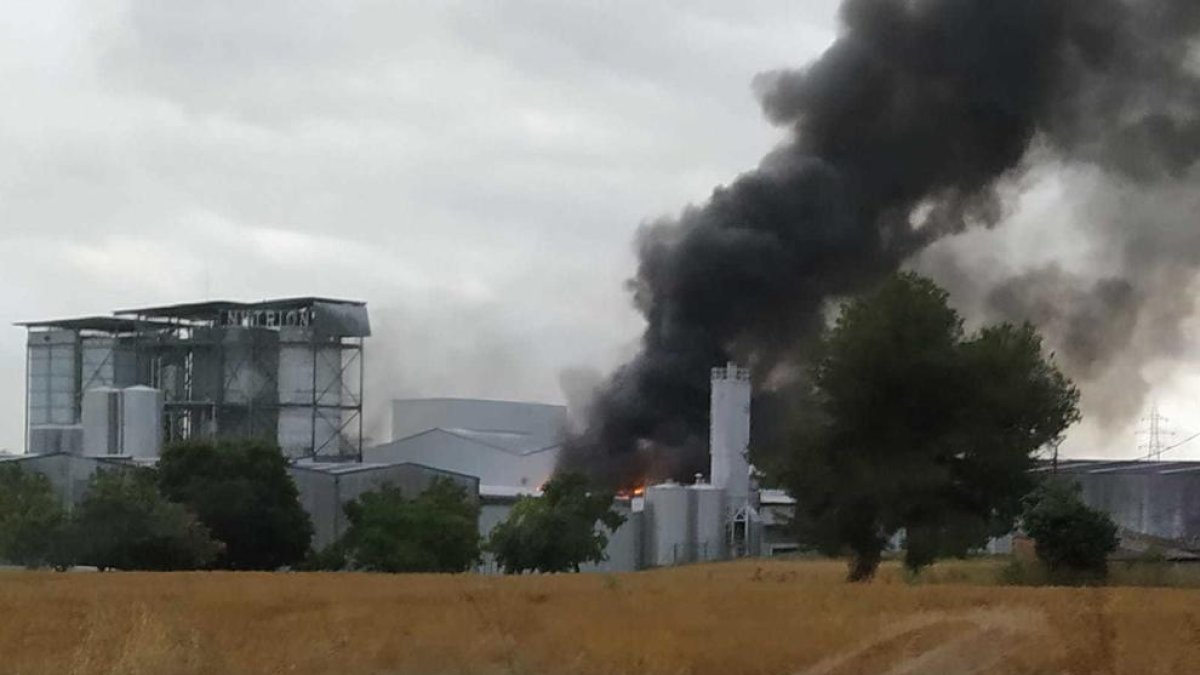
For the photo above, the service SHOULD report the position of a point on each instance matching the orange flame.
(630, 493)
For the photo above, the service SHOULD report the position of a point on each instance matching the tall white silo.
(101, 417)
(141, 422)
(729, 434)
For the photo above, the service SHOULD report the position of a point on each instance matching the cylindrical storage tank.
(142, 412)
(710, 522)
(729, 434)
(669, 525)
(101, 418)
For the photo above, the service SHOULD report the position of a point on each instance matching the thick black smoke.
(899, 135)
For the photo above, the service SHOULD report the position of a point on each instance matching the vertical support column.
(312, 446)
(28, 385)
(358, 402)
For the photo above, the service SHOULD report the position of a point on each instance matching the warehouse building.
(505, 443)
(1147, 499)
(326, 486)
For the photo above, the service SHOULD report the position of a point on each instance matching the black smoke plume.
(900, 134)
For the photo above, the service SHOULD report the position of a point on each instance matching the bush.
(30, 517)
(1071, 539)
(556, 532)
(124, 523)
(438, 531)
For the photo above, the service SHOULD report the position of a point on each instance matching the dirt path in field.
(942, 643)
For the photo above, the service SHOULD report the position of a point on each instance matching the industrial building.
(326, 486)
(1151, 501)
(107, 392)
(666, 523)
(289, 370)
(504, 443)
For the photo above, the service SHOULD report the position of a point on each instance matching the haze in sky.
(475, 171)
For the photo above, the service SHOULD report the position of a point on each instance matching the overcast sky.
(475, 171)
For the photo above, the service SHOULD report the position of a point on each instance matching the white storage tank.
(710, 521)
(101, 418)
(670, 521)
(141, 428)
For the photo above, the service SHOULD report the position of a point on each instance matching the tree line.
(231, 505)
(905, 424)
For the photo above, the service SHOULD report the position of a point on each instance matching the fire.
(630, 493)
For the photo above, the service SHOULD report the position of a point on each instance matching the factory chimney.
(729, 434)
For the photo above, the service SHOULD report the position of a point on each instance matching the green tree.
(921, 428)
(30, 516)
(124, 523)
(437, 531)
(558, 531)
(241, 491)
(1072, 539)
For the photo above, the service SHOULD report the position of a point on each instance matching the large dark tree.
(124, 523)
(30, 516)
(558, 531)
(240, 489)
(921, 428)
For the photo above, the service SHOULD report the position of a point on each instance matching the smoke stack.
(729, 434)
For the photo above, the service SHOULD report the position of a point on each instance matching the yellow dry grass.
(733, 618)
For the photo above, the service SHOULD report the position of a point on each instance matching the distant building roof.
(208, 308)
(344, 468)
(1122, 466)
(103, 324)
(507, 491)
(775, 498)
(509, 442)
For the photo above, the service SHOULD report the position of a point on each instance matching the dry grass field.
(733, 618)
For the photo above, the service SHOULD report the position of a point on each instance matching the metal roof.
(197, 310)
(104, 324)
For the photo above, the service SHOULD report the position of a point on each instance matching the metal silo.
(729, 434)
(141, 421)
(101, 419)
(670, 510)
(710, 521)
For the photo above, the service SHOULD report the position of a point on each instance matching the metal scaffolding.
(289, 370)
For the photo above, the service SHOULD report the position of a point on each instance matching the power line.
(1158, 454)
(1154, 433)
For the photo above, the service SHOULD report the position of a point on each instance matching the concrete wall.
(324, 489)
(450, 452)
